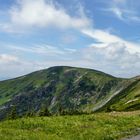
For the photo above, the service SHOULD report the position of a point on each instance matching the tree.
(13, 113)
(44, 111)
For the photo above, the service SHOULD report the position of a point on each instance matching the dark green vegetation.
(67, 90)
(99, 126)
(127, 100)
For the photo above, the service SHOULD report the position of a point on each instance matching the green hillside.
(67, 90)
(127, 100)
(100, 126)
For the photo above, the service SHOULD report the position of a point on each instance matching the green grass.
(100, 126)
(131, 100)
(127, 100)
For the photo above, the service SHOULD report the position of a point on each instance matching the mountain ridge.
(61, 90)
(61, 66)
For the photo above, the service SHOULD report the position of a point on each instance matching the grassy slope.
(9, 88)
(100, 126)
(65, 87)
(68, 88)
(127, 100)
(131, 101)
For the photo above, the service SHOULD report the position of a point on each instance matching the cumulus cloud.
(113, 58)
(110, 53)
(113, 54)
(42, 14)
(105, 38)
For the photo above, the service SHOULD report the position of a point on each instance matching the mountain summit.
(67, 90)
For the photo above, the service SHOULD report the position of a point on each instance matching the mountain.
(67, 90)
(127, 100)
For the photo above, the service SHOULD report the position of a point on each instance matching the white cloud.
(39, 49)
(105, 38)
(30, 13)
(6, 58)
(124, 10)
(114, 59)
(111, 54)
(43, 49)
(118, 12)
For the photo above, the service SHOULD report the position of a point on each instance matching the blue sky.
(97, 34)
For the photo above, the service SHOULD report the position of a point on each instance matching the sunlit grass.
(101, 126)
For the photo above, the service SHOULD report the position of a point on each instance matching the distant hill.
(67, 90)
